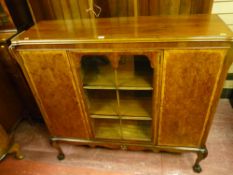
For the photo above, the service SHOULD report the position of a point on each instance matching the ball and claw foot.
(61, 156)
(200, 156)
(15, 149)
(19, 156)
(197, 168)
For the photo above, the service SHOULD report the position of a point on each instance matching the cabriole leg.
(15, 149)
(200, 156)
(61, 155)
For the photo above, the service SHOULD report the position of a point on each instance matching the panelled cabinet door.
(190, 78)
(50, 77)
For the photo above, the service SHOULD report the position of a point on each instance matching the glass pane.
(135, 72)
(107, 128)
(136, 130)
(135, 103)
(101, 102)
(96, 70)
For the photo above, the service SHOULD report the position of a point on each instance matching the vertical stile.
(135, 8)
(117, 92)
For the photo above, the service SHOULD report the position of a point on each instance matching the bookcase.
(143, 83)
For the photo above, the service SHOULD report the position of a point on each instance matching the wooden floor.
(40, 158)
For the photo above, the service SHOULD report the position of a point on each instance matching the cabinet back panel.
(188, 85)
(51, 79)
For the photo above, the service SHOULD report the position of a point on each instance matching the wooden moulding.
(193, 28)
(130, 145)
(120, 47)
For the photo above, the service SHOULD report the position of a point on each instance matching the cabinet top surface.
(127, 29)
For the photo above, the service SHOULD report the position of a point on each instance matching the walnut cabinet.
(129, 83)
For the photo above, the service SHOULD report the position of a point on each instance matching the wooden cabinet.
(11, 110)
(129, 83)
(14, 92)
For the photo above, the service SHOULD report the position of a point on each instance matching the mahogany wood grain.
(189, 82)
(168, 7)
(154, 7)
(141, 29)
(199, 6)
(73, 9)
(143, 8)
(51, 78)
(185, 7)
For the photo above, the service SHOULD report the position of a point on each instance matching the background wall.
(224, 8)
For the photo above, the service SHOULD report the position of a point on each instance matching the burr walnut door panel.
(189, 81)
(50, 77)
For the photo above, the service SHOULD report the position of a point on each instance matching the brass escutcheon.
(123, 147)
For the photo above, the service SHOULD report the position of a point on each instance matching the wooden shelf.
(132, 81)
(130, 129)
(97, 71)
(136, 130)
(103, 107)
(107, 128)
(129, 107)
(105, 116)
(125, 81)
(119, 88)
(134, 72)
(99, 79)
(135, 104)
(100, 87)
(120, 117)
(148, 88)
(135, 118)
(130, 120)
(134, 107)
(102, 102)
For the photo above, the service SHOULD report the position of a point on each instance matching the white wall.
(224, 8)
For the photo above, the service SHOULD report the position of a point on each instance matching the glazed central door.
(189, 81)
(52, 82)
(119, 93)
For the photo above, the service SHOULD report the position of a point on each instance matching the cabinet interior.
(101, 102)
(106, 128)
(97, 72)
(119, 99)
(134, 72)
